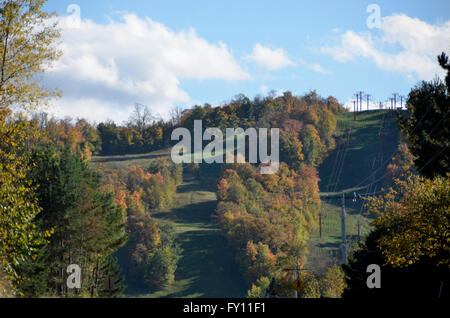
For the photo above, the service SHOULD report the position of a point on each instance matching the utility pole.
(344, 244)
(361, 99)
(320, 224)
(382, 134)
(297, 270)
(359, 231)
(392, 106)
(295, 279)
(368, 98)
(354, 110)
(401, 101)
(395, 100)
(440, 289)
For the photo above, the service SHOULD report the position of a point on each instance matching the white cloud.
(106, 68)
(273, 59)
(92, 109)
(315, 67)
(406, 45)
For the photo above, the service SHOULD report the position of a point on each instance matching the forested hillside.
(267, 219)
(270, 223)
(361, 165)
(102, 209)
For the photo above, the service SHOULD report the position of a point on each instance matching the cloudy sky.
(181, 53)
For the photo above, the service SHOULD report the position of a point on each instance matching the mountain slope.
(357, 167)
(373, 141)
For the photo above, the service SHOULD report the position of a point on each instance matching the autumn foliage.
(150, 256)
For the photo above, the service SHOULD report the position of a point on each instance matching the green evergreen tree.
(111, 279)
(428, 126)
(86, 222)
(34, 275)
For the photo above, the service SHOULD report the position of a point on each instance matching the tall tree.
(428, 126)
(111, 280)
(110, 138)
(27, 37)
(88, 225)
(443, 62)
(19, 235)
(141, 117)
(26, 50)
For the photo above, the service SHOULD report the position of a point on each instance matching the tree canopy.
(428, 126)
(27, 49)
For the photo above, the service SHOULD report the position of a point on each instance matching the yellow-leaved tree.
(415, 220)
(19, 235)
(27, 49)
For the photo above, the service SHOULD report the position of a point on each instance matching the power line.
(446, 113)
(435, 127)
(373, 174)
(333, 171)
(359, 96)
(396, 151)
(424, 166)
(432, 159)
(349, 131)
(380, 154)
(339, 163)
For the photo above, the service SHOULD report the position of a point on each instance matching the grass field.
(363, 158)
(106, 163)
(207, 268)
(365, 147)
(325, 251)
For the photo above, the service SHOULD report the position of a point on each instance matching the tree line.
(150, 256)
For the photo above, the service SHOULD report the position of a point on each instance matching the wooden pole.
(320, 224)
(343, 238)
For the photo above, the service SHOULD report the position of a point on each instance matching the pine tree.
(34, 275)
(428, 126)
(87, 223)
(111, 279)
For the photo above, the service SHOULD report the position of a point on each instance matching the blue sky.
(193, 52)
